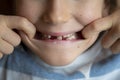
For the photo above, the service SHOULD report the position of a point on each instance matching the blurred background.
(6, 7)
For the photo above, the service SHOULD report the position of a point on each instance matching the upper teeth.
(69, 35)
(59, 38)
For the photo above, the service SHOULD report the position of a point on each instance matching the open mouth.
(72, 36)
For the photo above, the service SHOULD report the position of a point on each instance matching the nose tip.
(57, 12)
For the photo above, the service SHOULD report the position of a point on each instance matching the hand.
(8, 37)
(111, 24)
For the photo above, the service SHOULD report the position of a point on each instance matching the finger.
(116, 47)
(111, 37)
(21, 23)
(11, 37)
(1, 55)
(5, 47)
(97, 26)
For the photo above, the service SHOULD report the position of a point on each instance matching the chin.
(57, 53)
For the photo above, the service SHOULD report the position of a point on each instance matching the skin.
(62, 16)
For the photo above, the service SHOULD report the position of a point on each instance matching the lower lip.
(58, 42)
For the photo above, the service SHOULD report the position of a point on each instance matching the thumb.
(22, 24)
(97, 26)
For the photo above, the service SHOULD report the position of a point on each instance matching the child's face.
(59, 21)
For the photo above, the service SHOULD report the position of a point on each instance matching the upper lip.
(58, 33)
(59, 29)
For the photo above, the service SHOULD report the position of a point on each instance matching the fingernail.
(114, 52)
(1, 55)
(104, 45)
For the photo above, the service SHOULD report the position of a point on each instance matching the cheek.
(89, 12)
(32, 11)
(86, 17)
(32, 16)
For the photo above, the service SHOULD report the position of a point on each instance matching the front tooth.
(59, 37)
(49, 36)
(67, 35)
(45, 36)
(72, 37)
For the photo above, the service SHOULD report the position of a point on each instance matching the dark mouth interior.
(39, 36)
(80, 36)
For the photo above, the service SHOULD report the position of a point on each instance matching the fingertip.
(85, 35)
(1, 55)
(114, 52)
(105, 46)
(32, 33)
(86, 32)
(27, 27)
